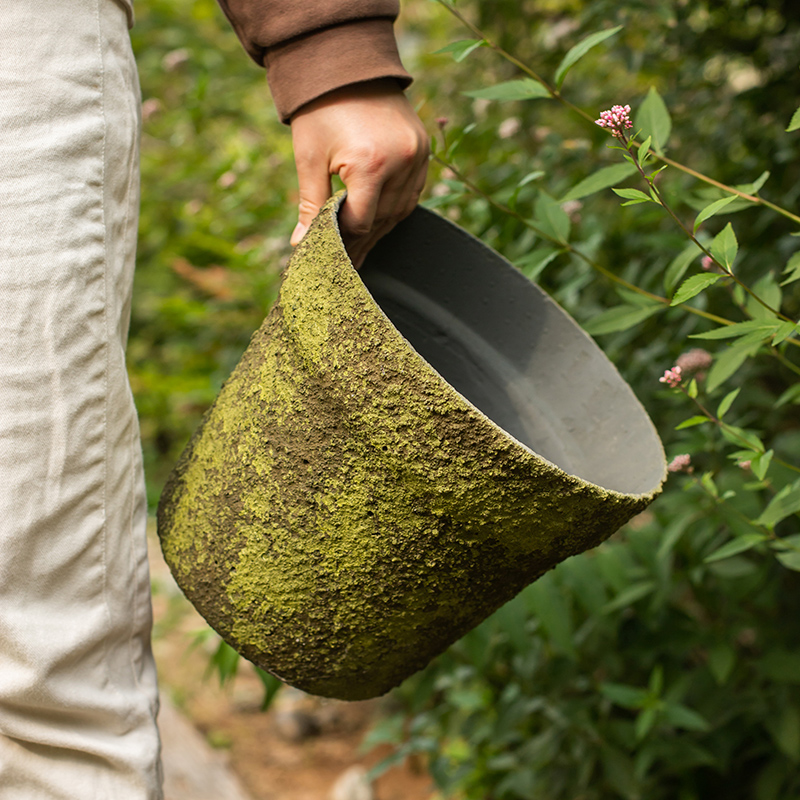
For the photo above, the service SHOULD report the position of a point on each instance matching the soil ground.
(299, 750)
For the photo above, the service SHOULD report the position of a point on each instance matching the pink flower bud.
(616, 119)
(681, 463)
(672, 377)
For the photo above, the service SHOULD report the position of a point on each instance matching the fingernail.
(297, 233)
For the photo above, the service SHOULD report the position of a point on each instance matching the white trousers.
(78, 695)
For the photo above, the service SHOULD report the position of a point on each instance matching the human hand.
(370, 136)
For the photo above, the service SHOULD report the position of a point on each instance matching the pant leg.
(78, 695)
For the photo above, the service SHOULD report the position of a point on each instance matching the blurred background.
(643, 669)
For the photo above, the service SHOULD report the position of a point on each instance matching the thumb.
(315, 188)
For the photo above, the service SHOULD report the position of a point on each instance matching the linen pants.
(78, 697)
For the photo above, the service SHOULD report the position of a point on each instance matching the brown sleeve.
(311, 47)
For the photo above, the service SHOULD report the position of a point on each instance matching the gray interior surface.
(502, 343)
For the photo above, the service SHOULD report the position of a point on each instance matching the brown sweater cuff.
(305, 68)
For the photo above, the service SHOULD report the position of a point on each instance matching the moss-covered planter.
(344, 513)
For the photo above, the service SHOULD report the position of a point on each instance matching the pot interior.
(503, 344)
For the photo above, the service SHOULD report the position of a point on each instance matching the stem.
(729, 189)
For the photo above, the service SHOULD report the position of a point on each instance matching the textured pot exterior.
(343, 514)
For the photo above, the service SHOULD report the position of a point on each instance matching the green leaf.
(634, 195)
(581, 49)
(461, 49)
(692, 422)
(792, 270)
(654, 120)
(645, 722)
(619, 318)
(712, 209)
(740, 544)
(522, 89)
(637, 298)
(759, 464)
(752, 326)
(644, 150)
(781, 666)
(726, 403)
(784, 331)
(629, 596)
(733, 568)
(795, 123)
(791, 395)
(727, 362)
(785, 503)
(624, 696)
(619, 772)
(224, 661)
(755, 186)
(683, 717)
(785, 730)
(724, 247)
(602, 179)
(530, 177)
(708, 481)
(692, 390)
(736, 436)
(790, 561)
(548, 603)
(693, 286)
(271, 686)
(551, 219)
(766, 288)
(533, 264)
(678, 266)
(789, 548)
(721, 661)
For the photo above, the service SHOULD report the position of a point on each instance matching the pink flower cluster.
(695, 360)
(616, 120)
(672, 377)
(681, 463)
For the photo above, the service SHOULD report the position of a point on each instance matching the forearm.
(312, 47)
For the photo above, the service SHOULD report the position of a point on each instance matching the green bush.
(218, 205)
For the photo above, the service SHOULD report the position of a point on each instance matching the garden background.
(665, 664)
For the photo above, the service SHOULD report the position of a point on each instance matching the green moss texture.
(343, 515)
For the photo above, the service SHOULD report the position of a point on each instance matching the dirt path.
(304, 748)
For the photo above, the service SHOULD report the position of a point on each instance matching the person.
(78, 695)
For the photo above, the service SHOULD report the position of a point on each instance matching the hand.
(370, 136)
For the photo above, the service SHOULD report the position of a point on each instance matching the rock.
(352, 784)
(193, 770)
(295, 725)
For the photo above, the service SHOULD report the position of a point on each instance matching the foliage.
(665, 664)
(218, 198)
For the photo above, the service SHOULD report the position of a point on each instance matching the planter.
(398, 453)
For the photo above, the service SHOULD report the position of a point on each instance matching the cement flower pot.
(398, 453)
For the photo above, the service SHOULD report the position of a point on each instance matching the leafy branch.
(547, 89)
